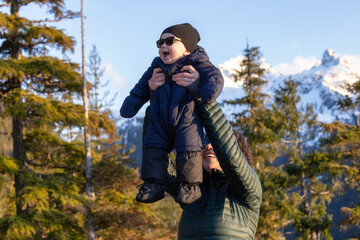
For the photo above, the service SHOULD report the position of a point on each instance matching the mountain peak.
(330, 58)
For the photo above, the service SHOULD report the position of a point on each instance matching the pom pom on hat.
(187, 33)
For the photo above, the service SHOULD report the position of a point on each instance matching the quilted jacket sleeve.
(139, 95)
(244, 181)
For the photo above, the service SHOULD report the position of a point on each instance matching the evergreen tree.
(97, 101)
(279, 204)
(255, 121)
(343, 141)
(38, 92)
(251, 118)
(352, 102)
(310, 175)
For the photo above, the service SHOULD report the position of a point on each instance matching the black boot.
(150, 192)
(188, 193)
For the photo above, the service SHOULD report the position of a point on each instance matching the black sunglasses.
(169, 41)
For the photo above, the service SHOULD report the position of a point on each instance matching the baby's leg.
(154, 173)
(154, 165)
(189, 175)
(189, 167)
(188, 143)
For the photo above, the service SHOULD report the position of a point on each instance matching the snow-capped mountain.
(321, 85)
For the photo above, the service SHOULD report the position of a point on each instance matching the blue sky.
(125, 32)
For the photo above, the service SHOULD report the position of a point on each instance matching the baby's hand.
(157, 79)
(187, 76)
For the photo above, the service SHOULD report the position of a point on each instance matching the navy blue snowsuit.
(173, 121)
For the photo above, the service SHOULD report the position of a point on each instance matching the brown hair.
(246, 151)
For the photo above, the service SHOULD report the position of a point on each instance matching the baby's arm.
(139, 95)
(211, 81)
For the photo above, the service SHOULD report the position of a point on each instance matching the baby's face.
(170, 54)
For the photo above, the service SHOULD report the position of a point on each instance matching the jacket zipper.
(168, 78)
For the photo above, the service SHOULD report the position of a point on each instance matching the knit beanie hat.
(187, 33)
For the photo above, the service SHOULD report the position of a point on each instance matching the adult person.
(231, 192)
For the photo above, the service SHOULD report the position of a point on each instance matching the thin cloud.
(354, 62)
(117, 85)
(115, 78)
(299, 64)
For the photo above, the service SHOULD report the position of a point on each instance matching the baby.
(173, 122)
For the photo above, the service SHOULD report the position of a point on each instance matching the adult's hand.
(187, 76)
(157, 79)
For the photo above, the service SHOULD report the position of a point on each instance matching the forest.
(304, 165)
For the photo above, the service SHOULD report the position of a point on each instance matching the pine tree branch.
(70, 15)
(33, 44)
(46, 20)
(49, 84)
(31, 163)
(5, 5)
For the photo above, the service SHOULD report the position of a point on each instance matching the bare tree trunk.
(17, 126)
(88, 163)
(18, 154)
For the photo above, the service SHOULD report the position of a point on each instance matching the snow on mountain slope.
(320, 85)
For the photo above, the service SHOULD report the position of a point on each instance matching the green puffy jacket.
(230, 202)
